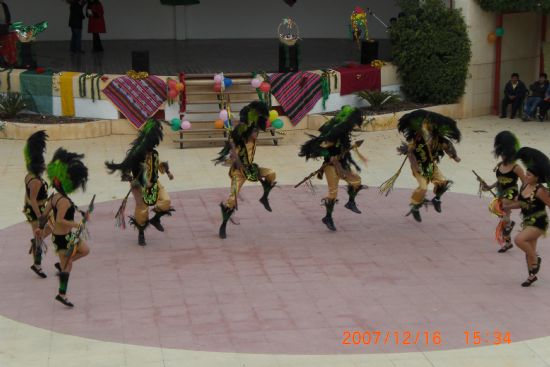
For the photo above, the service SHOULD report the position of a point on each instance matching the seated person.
(537, 90)
(514, 92)
(544, 105)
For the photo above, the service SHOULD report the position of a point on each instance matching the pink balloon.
(217, 88)
(218, 78)
(224, 115)
(172, 83)
(185, 125)
(173, 94)
(265, 87)
(256, 83)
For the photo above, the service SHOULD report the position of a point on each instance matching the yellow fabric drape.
(66, 92)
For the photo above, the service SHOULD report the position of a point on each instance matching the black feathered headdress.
(67, 172)
(535, 162)
(34, 153)
(506, 146)
(410, 125)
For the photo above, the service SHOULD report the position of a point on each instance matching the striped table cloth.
(297, 93)
(137, 99)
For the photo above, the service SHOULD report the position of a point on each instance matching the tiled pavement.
(288, 291)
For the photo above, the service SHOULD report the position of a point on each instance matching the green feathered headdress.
(338, 131)
(148, 138)
(34, 153)
(67, 172)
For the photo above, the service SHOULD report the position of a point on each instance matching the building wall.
(148, 19)
(520, 53)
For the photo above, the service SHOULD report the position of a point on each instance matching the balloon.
(228, 124)
(185, 125)
(227, 82)
(175, 124)
(173, 94)
(224, 115)
(172, 83)
(265, 87)
(273, 115)
(278, 124)
(492, 37)
(268, 124)
(180, 87)
(256, 83)
(218, 124)
(217, 88)
(218, 78)
(499, 32)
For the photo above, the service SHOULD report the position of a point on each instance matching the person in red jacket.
(96, 23)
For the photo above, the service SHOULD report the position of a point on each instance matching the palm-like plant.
(379, 100)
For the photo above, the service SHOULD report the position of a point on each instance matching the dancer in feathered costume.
(334, 145)
(429, 137)
(532, 200)
(240, 149)
(36, 192)
(141, 168)
(508, 172)
(66, 173)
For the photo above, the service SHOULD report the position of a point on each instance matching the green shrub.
(10, 105)
(379, 100)
(502, 6)
(431, 50)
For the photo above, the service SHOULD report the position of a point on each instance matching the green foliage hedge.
(432, 52)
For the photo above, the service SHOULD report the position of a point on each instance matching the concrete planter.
(70, 131)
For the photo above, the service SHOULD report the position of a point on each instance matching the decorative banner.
(66, 92)
(137, 99)
(36, 90)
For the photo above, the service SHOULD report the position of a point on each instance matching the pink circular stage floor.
(282, 283)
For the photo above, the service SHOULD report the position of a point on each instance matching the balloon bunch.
(493, 36)
(176, 124)
(221, 83)
(174, 88)
(263, 86)
(224, 120)
(274, 120)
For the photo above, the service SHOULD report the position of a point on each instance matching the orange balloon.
(492, 37)
(218, 124)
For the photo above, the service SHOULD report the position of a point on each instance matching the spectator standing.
(537, 91)
(96, 23)
(76, 16)
(514, 92)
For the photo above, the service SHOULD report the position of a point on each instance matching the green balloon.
(175, 124)
(499, 32)
(277, 124)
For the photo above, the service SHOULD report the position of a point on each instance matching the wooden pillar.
(498, 61)
(542, 40)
